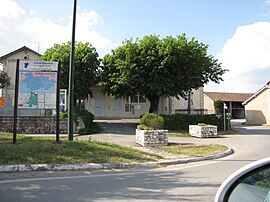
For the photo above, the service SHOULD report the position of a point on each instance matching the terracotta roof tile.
(229, 97)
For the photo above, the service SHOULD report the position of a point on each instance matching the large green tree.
(86, 66)
(155, 67)
(4, 79)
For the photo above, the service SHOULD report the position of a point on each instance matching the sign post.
(35, 87)
(58, 105)
(224, 115)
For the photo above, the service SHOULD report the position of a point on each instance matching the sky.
(236, 31)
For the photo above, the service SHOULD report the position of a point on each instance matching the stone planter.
(203, 131)
(152, 137)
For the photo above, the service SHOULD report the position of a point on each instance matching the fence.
(191, 111)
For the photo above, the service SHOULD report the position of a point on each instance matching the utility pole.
(71, 76)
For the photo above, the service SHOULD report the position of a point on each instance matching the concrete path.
(120, 131)
(123, 132)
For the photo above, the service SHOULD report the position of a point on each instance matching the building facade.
(104, 106)
(9, 62)
(258, 106)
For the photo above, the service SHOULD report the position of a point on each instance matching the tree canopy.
(4, 79)
(86, 66)
(154, 67)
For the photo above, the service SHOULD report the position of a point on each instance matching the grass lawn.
(179, 133)
(34, 150)
(194, 150)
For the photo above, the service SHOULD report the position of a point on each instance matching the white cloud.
(86, 19)
(17, 28)
(10, 9)
(246, 56)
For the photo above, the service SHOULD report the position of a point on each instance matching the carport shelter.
(233, 102)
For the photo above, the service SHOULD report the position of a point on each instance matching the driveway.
(122, 132)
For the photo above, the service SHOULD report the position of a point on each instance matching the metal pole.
(16, 103)
(71, 77)
(228, 122)
(224, 116)
(57, 104)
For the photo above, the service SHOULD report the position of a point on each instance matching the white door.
(100, 106)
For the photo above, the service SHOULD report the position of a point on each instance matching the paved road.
(188, 182)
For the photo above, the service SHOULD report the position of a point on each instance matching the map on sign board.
(37, 90)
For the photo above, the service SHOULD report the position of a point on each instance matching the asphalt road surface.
(186, 182)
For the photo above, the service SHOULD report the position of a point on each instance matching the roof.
(228, 97)
(24, 48)
(266, 86)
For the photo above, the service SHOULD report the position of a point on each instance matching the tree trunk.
(154, 100)
(189, 103)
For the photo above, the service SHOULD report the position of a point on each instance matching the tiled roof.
(229, 97)
(24, 48)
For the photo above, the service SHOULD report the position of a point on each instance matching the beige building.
(9, 62)
(258, 106)
(104, 106)
(233, 102)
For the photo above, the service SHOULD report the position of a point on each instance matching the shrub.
(218, 105)
(150, 121)
(203, 124)
(87, 118)
(143, 127)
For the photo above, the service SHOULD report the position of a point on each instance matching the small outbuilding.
(233, 102)
(9, 62)
(258, 106)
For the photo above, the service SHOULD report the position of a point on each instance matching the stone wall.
(152, 137)
(36, 125)
(203, 131)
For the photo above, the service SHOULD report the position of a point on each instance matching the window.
(137, 99)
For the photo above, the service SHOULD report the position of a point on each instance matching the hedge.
(182, 121)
